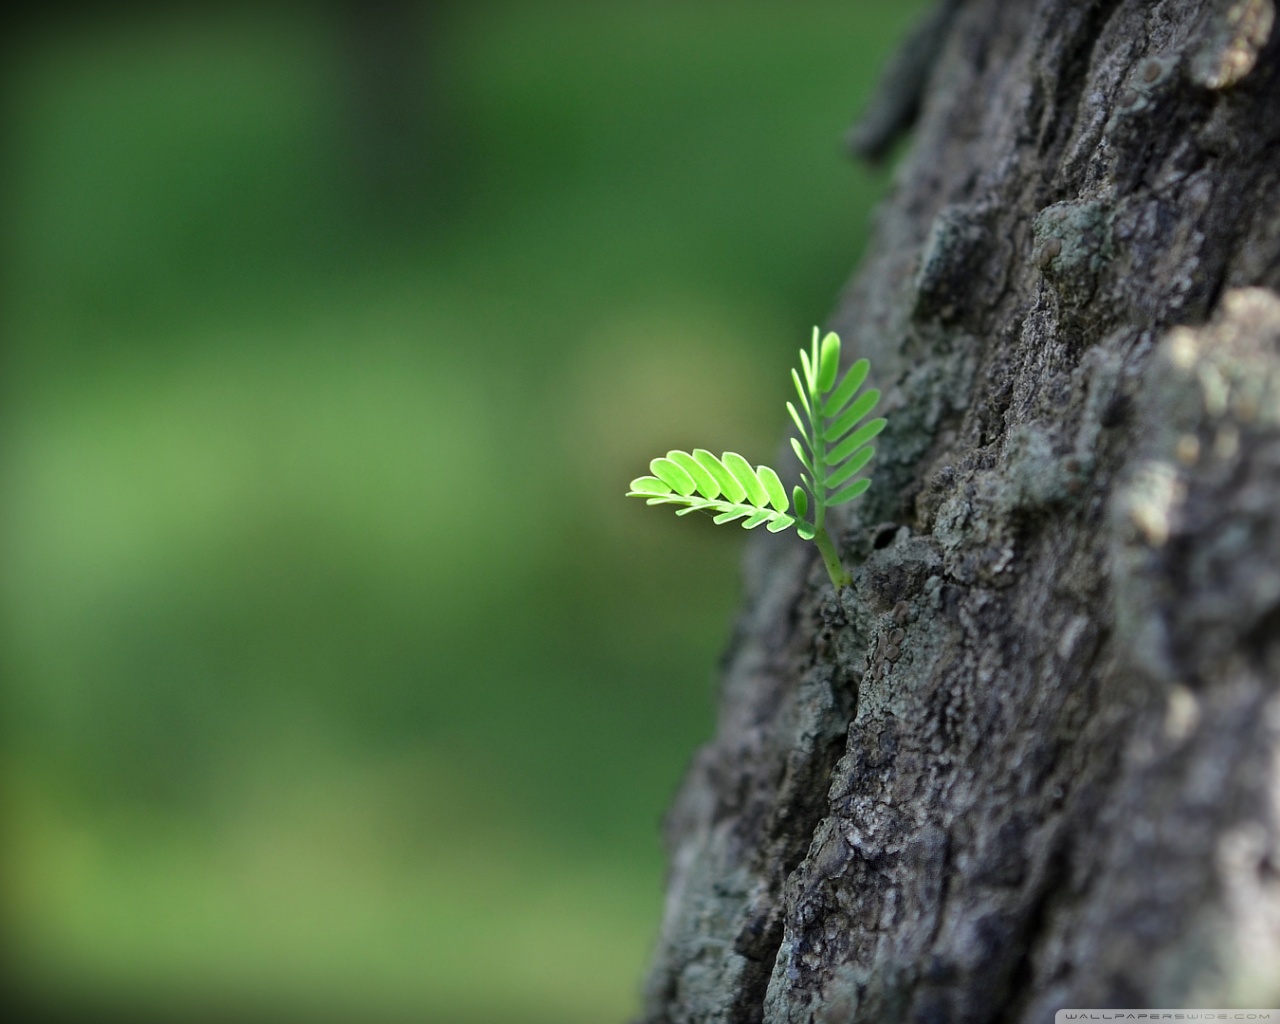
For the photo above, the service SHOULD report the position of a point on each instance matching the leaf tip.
(828, 362)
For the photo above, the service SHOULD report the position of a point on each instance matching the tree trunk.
(1031, 759)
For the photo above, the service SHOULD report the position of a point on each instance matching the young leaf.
(795, 416)
(853, 379)
(804, 459)
(705, 482)
(732, 490)
(865, 403)
(777, 493)
(828, 364)
(866, 432)
(801, 501)
(804, 395)
(649, 485)
(745, 475)
(671, 473)
(850, 492)
(850, 468)
(766, 503)
(832, 448)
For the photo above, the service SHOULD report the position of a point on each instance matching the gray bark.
(1031, 759)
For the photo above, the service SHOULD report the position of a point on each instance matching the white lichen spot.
(1071, 635)
(1182, 348)
(1245, 862)
(1216, 389)
(1152, 498)
(1238, 303)
(1226, 444)
(1181, 714)
(1234, 41)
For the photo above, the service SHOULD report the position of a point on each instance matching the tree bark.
(1030, 760)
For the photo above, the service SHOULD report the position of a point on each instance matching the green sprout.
(832, 448)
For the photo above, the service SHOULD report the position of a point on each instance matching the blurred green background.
(340, 681)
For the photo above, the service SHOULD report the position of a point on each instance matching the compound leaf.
(727, 488)
(833, 446)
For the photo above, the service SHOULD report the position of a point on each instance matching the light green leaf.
(795, 416)
(741, 469)
(804, 459)
(705, 483)
(729, 485)
(828, 363)
(772, 485)
(723, 511)
(807, 366)
(866, 432)
(848, 386)
(865, 403)
(648, 485)
(850, 468)
(670, 472)
(833, 446)
(801, 501)
(850, 492)
(804, 396)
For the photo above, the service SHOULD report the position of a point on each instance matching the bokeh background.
(339, 679)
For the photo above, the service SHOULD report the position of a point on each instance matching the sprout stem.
(839, 578)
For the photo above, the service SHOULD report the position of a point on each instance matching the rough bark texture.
(1031, 759)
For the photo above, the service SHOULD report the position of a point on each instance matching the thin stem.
(839, 578)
